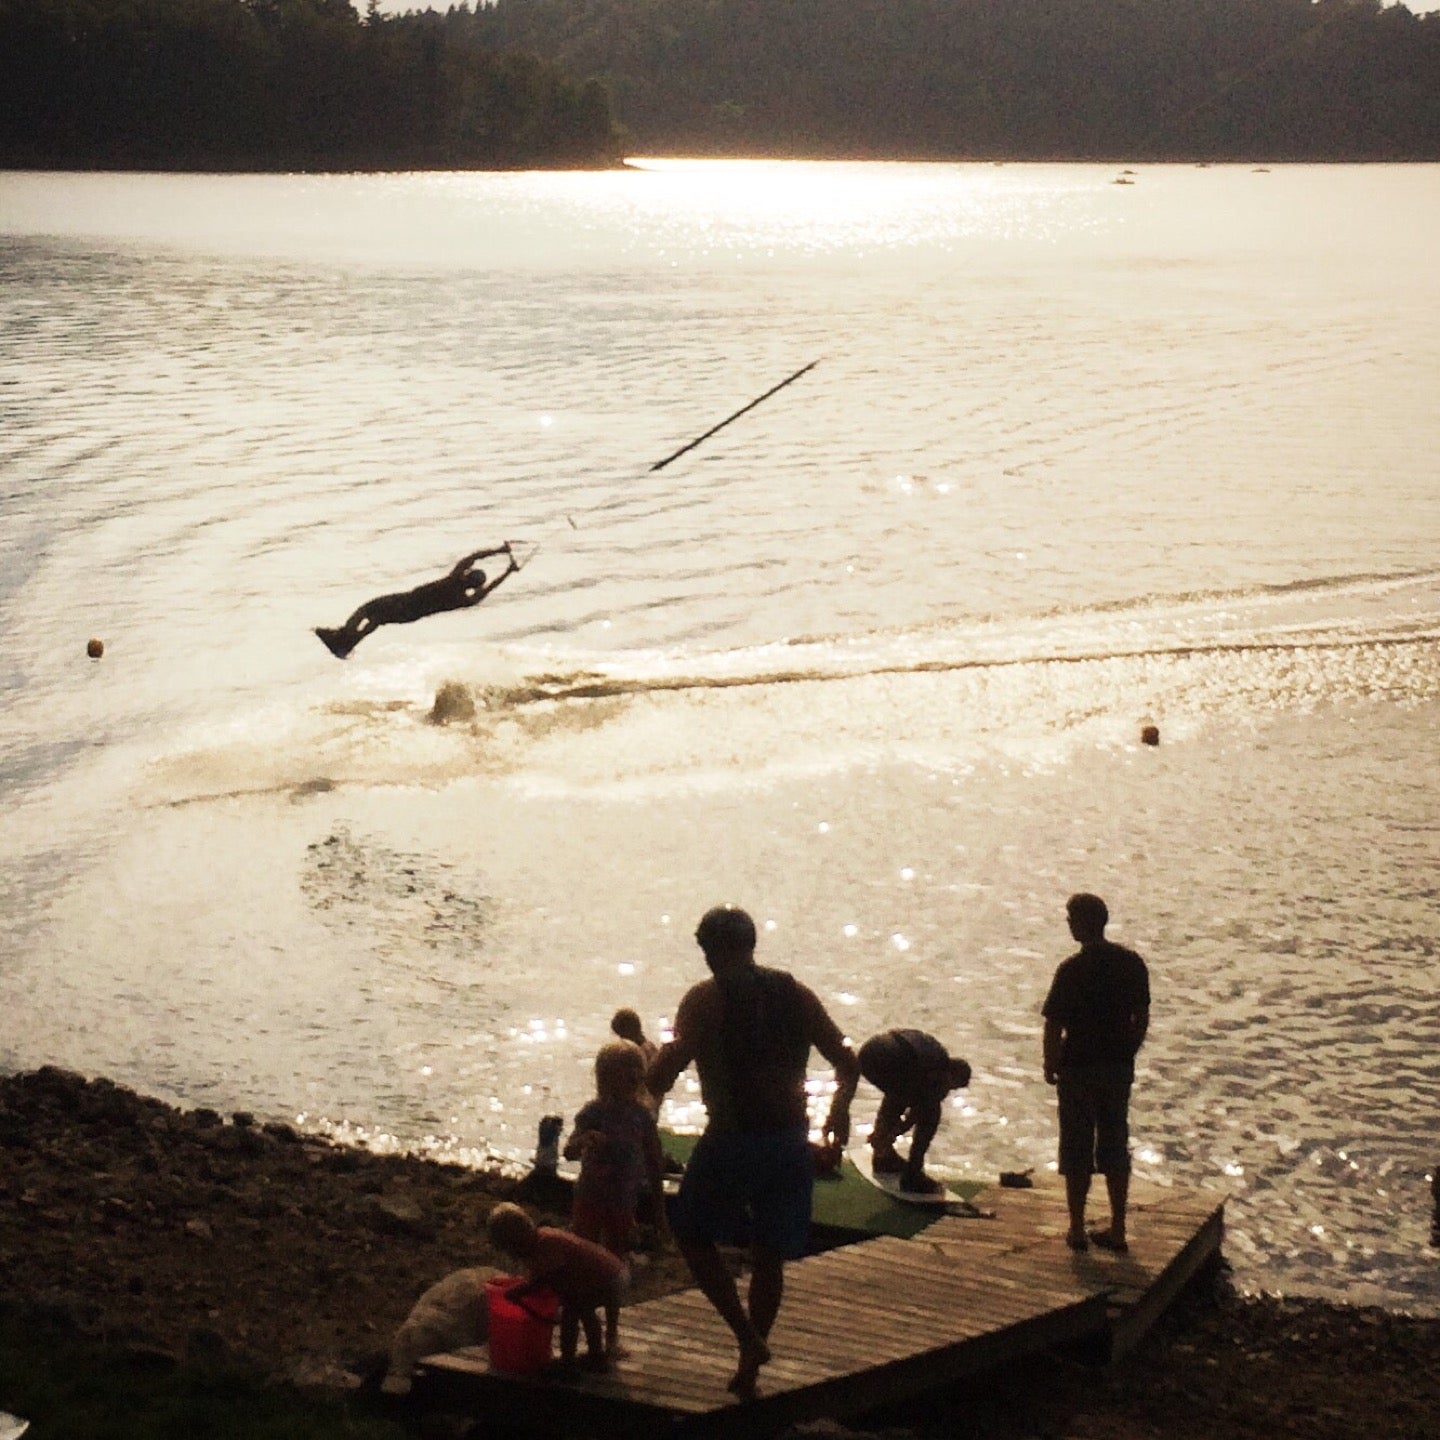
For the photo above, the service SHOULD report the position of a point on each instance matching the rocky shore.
(176, 1234)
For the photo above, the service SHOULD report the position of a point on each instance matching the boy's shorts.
(1094, 1105)
(748, 1189)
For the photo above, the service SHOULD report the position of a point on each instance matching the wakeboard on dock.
(945, 1200)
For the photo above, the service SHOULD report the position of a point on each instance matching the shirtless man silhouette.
(749, 1030)
(460, 589)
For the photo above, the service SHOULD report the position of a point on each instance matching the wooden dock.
(1173, 1233)
(873, 1322)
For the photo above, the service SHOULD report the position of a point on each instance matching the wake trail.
(598, 688)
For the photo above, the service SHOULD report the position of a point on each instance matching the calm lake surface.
(872, 661)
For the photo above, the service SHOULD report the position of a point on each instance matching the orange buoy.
(95, 649)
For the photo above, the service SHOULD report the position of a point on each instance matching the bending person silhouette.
(914, 1072)
(460, 589)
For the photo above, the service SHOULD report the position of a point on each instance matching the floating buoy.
(1150, 735)
(95, 649)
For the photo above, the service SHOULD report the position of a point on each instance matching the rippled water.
(873, 660)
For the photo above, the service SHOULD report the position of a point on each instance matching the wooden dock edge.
(524, 1403)
(541, 1404)
(1129, 1324)
(900, 1380)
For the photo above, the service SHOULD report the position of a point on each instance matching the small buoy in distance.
(95, 649)
(1150, 735)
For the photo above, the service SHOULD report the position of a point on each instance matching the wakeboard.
(945, 1199)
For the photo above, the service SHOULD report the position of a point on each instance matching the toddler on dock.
(585, 1276)
(617, 1143)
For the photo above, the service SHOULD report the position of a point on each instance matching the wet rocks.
(390, 1215)
(120, 1212)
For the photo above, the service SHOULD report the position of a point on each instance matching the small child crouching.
(585, 1276)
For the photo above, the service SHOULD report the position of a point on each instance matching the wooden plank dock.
(1173, 1233)
(873, 1322)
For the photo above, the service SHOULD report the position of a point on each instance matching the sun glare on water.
(819, 206)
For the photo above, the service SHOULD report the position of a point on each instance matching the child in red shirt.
(584, 1275)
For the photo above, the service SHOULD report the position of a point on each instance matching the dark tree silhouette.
(1031, 79)
(309, 83)
(280, 84)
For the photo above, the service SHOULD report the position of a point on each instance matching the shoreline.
(633, 160)
(184, 1236)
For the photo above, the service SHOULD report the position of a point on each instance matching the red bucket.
(520, 1330)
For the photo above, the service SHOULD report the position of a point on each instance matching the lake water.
(872, 661)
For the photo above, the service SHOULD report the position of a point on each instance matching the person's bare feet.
(752, 1357)
(1109, 1240)
(1077, 1240)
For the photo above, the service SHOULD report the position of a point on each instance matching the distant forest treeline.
(313, 84)
(280, 84)
(1194, 79)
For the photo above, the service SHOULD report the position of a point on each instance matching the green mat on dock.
(848, 1201)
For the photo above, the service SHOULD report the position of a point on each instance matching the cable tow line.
(759, 399)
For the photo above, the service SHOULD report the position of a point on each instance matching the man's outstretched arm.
(462, 565)
(505, 574)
